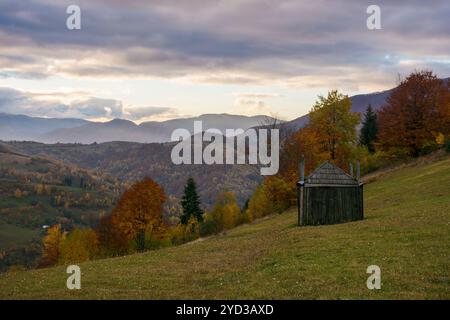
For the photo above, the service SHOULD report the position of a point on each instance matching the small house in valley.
(329, 195)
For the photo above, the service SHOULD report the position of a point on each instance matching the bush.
(447, 146)
(274, 195)
(281, 194)
(184, 233)
(25, 256)
(373, 161)
(209, 226)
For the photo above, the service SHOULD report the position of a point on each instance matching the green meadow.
(406, 232)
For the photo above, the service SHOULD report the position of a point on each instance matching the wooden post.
(361, 197)
(302, 169)
(358, 170)
(301, 186)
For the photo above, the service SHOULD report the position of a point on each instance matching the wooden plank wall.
(329, 205)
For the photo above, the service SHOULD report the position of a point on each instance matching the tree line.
(137, 223)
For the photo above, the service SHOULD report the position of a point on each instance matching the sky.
(163, 59)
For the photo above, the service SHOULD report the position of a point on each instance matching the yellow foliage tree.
(39, 188)
(80, 245)
(18, 193)
(334, 125)
(226, 212)
(440, 139)
(281, 194)
(52, 246)
(259, 204)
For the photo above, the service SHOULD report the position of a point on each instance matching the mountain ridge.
(72, 130)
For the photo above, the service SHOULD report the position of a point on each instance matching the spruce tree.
(191, 203)
(369, 129)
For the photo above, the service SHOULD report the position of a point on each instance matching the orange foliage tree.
(140, 212)
(301, 143)
(52, 246)
(416, 115)
(112, 241)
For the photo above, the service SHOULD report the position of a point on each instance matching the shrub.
(281, 194)
(184, 233)
(274, 195)
(447, 146)
(209, 226)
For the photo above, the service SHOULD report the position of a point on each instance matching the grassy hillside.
(130, 161)
(35, 191)
(406, 232)
(11, 235)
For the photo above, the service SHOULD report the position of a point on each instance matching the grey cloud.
(248, 39)
(96, 107)
(138, 113)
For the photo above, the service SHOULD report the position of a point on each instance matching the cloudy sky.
(154, 60)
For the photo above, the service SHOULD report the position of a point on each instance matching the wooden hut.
(329, 195)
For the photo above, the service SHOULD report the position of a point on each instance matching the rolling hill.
(130, 161)
(37, 191)
(406, 232)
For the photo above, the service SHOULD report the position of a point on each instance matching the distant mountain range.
(21, 127)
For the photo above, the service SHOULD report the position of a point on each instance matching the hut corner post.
(301, 191)
(358, 171)
(358, 178)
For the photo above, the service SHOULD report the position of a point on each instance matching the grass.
(11, 235)
(406, 232)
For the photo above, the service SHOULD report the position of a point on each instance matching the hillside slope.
(406, 232)
(37, 191)
(129, 162)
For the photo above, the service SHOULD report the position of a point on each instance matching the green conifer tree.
(191, 203)
(369, 129)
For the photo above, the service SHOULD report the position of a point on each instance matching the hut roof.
(327, 174)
